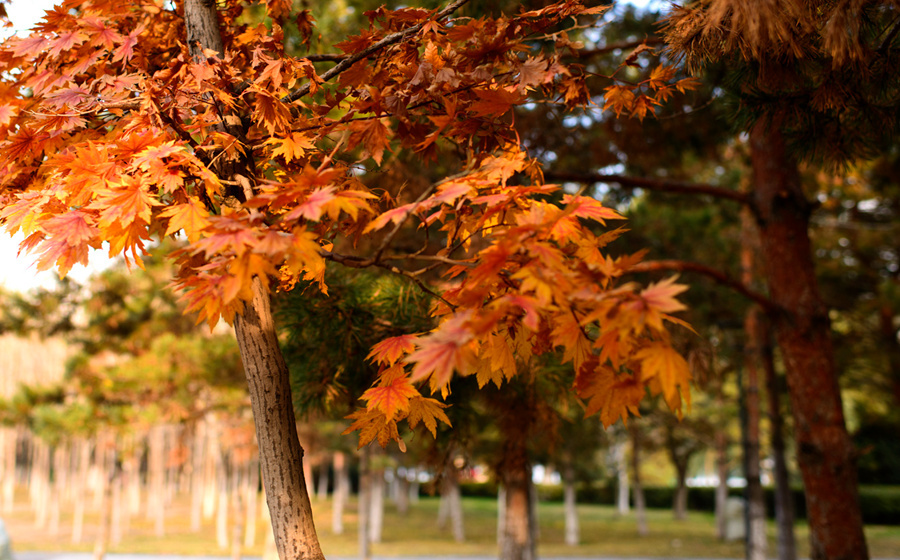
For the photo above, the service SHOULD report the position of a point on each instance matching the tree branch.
(391, 39)
(651, 185)
(623, 45)
(715, 274)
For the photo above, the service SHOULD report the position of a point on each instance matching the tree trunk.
(341, 492)
(722, 486)
(784, 500)
(517, 541)
(376, 496)
(569, 505)
(322, 482)
(756, 507)
(252, 491)
(363, 504)
(620, 461)
(679, 505)
(640, 504)
(825, 451)
(83, 453)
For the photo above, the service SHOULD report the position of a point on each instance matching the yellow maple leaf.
(427, 411)
(668, 368)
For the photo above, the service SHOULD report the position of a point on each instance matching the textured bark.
(281, 457)
(825, 453)
(202, 25)
(784, 501)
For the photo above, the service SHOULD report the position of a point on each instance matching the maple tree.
(127, 124)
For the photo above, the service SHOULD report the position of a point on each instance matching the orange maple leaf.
(389, 350)
(392, 394)
(614, 396)
(190, 216)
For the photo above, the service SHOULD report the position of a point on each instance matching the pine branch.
(713, 273)
(651, 185)
(391, 39)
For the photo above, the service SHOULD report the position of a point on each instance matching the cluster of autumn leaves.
(114, 135)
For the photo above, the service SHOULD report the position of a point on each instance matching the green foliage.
(326, 337)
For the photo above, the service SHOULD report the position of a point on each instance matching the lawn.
(603, 533)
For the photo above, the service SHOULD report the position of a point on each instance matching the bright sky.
(19, 272)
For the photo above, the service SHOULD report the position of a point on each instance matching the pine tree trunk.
(640, 504)
(825, 452)
(784, 500)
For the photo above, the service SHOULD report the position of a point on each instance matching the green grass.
(603, 533)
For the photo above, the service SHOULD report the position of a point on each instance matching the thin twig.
(651, 184)
(717, 275)
(385, 42)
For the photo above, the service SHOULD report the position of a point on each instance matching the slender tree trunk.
(156, 465)
(376, 495)
(679, 506)
(252, 491)
(756, 507)
(640, 504)
(341, 492)
(83, 453)
(198, 446)
(722, 487)
(620, 461)
(106, 461)
(570, 505)
(825, 451)
(322, 482)
(9, 472)
(784, 500)
(223, 475)
(281, 456)
(401, 496)
(363, 504)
